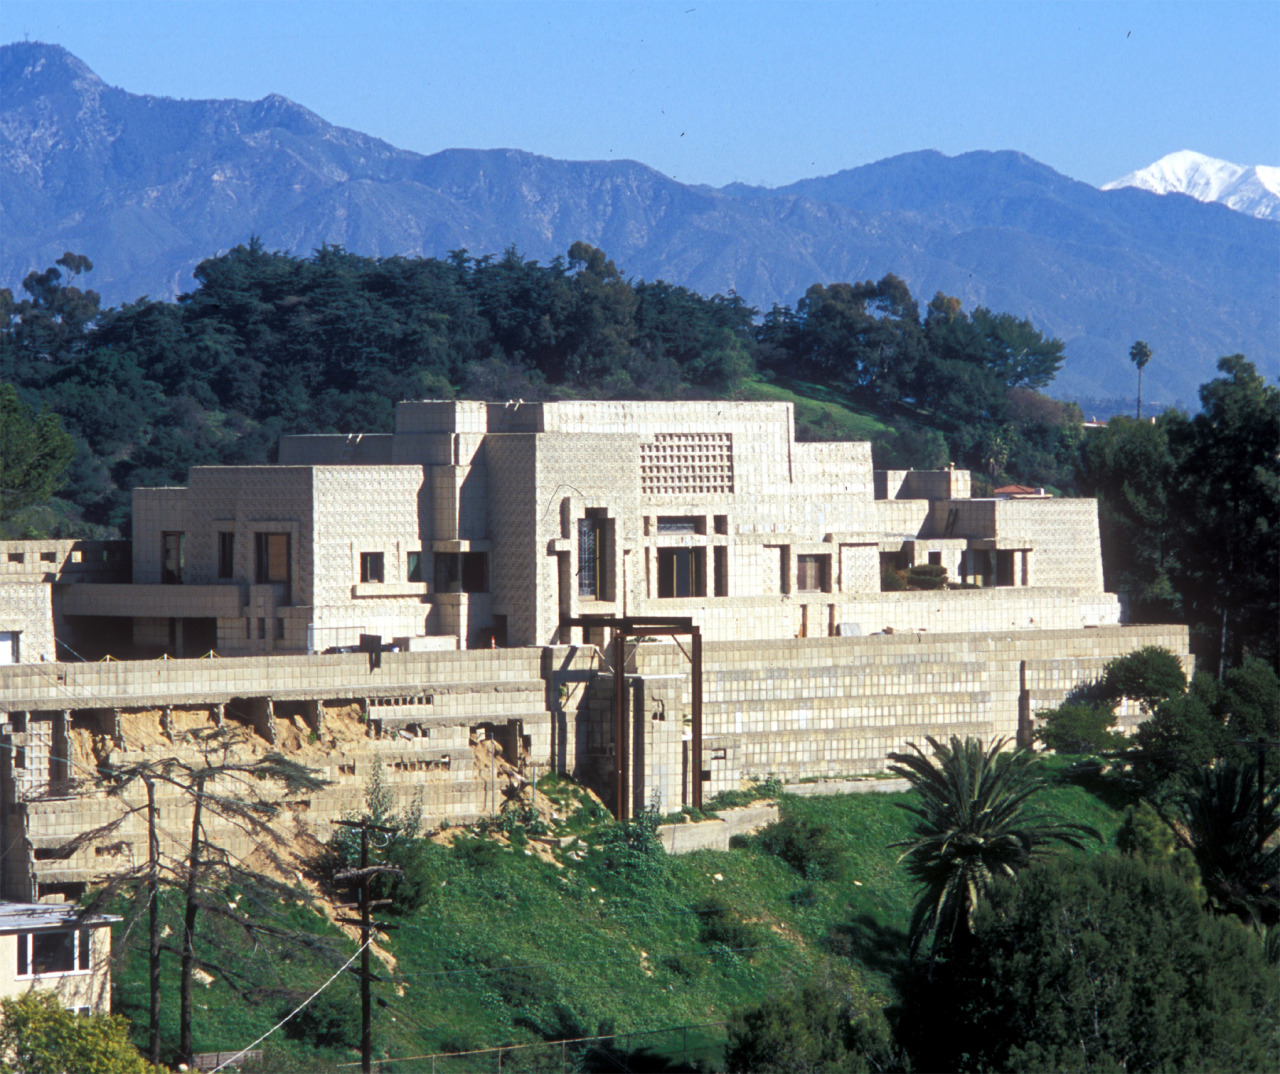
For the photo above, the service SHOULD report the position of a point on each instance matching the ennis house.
(478, 553)
(485, 524)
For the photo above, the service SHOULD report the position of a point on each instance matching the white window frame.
(80, 935)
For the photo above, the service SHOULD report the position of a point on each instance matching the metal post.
(696, 740)
(620, 750)
(153, 890)
(366, 997)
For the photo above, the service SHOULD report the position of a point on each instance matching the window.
(226, 555)
(64, 951)
(462, 572)
(371, 566)
(935, 559)
(48, 557)
(722, 524)
(721, 570)
(682, 572)
(171, 552)
(590, 557)
(813, 574)
(17, 557)
(262, 629)
(682, 524)
(413, 572)
(279, 629)
(271, 558)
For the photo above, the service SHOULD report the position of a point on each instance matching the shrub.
(331, 1020)
(927, 576)
(720, 925)
(1148, 676)
(807, 847)
(1080, 728)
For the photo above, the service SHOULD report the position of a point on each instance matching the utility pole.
(153, 948)
(364, 875)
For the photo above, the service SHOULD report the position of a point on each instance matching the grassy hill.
(519, 944)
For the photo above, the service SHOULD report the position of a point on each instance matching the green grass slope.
(510, 948)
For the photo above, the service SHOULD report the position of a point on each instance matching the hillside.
(514, 947)
(146, 187)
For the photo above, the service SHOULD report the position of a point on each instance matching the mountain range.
(147, 187)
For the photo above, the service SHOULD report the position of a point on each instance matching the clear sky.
(713, 92)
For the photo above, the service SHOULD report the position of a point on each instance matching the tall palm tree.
(1230, 824)
(974, 825)
(1140, 355)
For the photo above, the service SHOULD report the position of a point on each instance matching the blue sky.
(717, 92)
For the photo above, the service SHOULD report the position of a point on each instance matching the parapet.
(946, 484)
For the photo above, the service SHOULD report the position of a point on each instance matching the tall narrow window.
(413, 567)
(371, 567)
(226, 555)
(271, 558)
(590, 557)
(721, 554)
(172, 548)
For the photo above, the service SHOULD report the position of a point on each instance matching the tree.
(1227, 504)
(35, 451)
(1148, 676)
(809, 1030)
(223, 781)
(1230, 824)
(975, 824)
(1078, 728)
(1140, 355)
(1107, 964)
(40, 1036)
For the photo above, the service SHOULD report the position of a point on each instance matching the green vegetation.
(40, 1036)
(608, 935)
(269, 342)
(974, 825)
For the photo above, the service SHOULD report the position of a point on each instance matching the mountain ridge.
(1250, 189)
(149, 186)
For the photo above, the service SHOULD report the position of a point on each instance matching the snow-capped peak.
(1254, 190)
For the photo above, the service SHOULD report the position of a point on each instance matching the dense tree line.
(269, 342)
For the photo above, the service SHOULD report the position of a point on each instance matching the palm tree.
(975, 825)
(1140, 355)
(1230, 824)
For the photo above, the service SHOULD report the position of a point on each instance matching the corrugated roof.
(35, 916)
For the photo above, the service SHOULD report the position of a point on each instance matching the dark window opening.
(682, 524)
(935, 559)
(262, 629)
(279, 630)
(171, 558)
(48, 557)
(722, 524)
(682, 572)
(462, 572)
(226, 555)
(813, 574)
(1004, 567)
(271, 560)
(371, 567)
(17, 557)
(51, 952)
(721, 570)
(413, 571)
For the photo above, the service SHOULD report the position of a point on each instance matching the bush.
(1108, 963)
(331, 1020)
(892, 581)
(1080, 729)
(719, 924)
(1147, 676)
(927, 576)
(807, 847)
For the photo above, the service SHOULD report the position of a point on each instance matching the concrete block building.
(491, 545)
(480, 524)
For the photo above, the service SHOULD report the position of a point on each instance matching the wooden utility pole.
(364, 875)
(153, 947)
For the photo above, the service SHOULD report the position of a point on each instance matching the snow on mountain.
(1254, 190)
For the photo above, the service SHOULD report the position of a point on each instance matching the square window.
(371, 566)
(48, 557)
(813, 574)
(682, 572)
